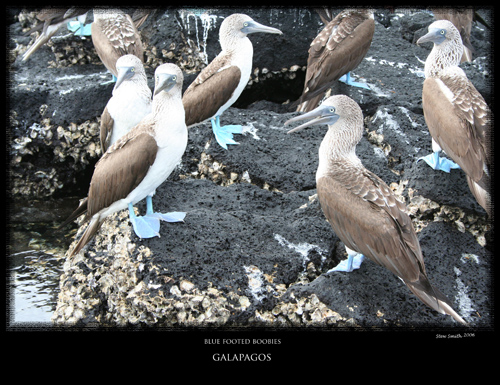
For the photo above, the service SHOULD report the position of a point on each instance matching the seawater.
(34, 265)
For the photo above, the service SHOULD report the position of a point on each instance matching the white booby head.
(221, 83)
(236, 27)
(362, 210)
(462, 19)
(130, 103)
(141, 160)
(447, 50)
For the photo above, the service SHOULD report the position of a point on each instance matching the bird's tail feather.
(80, 210)
(433, 298)
(89, 233)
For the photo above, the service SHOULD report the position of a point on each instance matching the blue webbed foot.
(348, 80)
(79, 28)
(113, 80)
(438, 163)
(146, 226)
(352, 262)
(224, 134)
(175, 216)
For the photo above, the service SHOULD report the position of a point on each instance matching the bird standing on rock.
(53, 19)
(221, 83)
(334, 53)
(458, 118)
(141, 160)
(362, 210)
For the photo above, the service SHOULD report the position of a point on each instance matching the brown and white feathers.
(114, 34)
(221, 83)
(462, 20)
(337, 50)
(458, 118)
(137, 163)
(362, 210)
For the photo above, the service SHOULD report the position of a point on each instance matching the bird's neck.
(338, 145)
(443, 56)
(237, 45)
(169, 110)
(135, 87)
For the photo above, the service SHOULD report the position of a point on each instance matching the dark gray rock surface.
(255, 248)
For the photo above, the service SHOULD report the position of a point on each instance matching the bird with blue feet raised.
(362, 210)
(53, 19)
(130, 102)
(221, 82)
(114, 35)
(334, 53)
(137, 163)
(456, 114)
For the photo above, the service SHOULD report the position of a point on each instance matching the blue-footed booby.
(53, 19)
(221, 83)
(362, 210)
(335, 52)
(131, 101)
(114, 34)
(137, 163)
(458, 118)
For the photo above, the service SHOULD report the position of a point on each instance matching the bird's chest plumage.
(243, 59)
(127, 112)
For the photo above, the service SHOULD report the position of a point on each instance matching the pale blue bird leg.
(175, 216)
(144, 227)
(439, 163)
(224, 134)
(79, 28)
(347, 80)
(353, 262)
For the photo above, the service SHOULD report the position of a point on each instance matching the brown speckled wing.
(210, 90)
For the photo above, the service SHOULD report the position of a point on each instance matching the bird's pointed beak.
(124, 73)
(434, 36)
(320, 115)
(165, 82)
(252, 27)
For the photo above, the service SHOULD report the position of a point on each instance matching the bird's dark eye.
(174, 78)
(245, 24)
(132, 69)
(332, 109)
(442, 32)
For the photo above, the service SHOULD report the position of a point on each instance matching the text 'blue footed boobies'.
(141, 160)
(130, 103)
(458, 118)
(53, 19)
(362, 210)
(221, 83)
(114, 35)
(335, 52)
